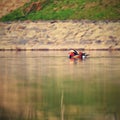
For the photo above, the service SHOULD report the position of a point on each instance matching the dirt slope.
(7, 6)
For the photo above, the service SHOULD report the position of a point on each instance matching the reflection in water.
(45, 86)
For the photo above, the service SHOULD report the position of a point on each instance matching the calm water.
(47, 86)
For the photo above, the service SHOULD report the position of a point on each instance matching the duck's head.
(71, 53)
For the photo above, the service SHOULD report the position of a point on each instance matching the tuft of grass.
(43, 15)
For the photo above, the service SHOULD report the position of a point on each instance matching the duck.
(74, 54)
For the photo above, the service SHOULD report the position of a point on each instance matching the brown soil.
(36, 6)
(7, 6)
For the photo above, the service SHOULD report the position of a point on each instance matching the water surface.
(46, 85)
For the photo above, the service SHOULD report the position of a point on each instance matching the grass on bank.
(67, 9)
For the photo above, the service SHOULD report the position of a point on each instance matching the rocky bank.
(60, 35)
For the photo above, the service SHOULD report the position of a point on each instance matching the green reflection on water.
(82, 99)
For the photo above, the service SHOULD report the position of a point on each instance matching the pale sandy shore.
(60, 35)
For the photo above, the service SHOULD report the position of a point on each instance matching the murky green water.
(47, 86)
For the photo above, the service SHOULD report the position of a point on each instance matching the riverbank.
(60, 35)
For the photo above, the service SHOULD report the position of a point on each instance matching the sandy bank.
(60, 35)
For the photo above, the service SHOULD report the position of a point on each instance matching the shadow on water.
(7, 114)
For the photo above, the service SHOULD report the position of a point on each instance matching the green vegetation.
(66, 9)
